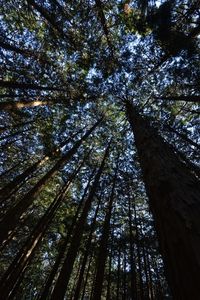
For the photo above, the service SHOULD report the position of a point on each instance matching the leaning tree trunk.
(17, 267)
(174, 196)
(12, 217)
(65, 273)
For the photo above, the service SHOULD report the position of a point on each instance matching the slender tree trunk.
(108, 293)
(65, 273)
(141, 283)
(151, 288)
(11, 219)
(132, 264)
(86, 277)
(102, 256)
(118, 273)
(63, 247)
(85, 257)
(174, 195)
(124, 277)
(16, 268)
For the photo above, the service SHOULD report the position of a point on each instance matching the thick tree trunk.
(11, 219)
(102, 256)
(174, 195)
(65, 273)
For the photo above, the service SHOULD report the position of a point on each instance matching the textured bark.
(103, 251)
(65, 273)
(174, 196)
(12, 217)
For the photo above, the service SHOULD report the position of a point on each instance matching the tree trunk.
(86, 254)
(102, 256)
(16, 268)
(174, 196)
(63, 247)
(132, 264)
(12, 217)
(65, 273)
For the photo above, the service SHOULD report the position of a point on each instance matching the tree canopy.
(99, 136)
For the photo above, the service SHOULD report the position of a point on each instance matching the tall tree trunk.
(17, 267)
(132, 263)
(65, 273)
(11, 219)
(118, 273)
(86, 277)
(108, 292)
(137, 240)
(174, 195)
(102, 256)
(86, 254)
(63, 247)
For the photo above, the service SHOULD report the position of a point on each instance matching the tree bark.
(174, 196)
